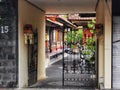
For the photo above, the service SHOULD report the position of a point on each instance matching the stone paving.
(54, 79)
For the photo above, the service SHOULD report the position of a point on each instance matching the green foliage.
(90, 42)
(93, 21)
(86, 52)
(72, 46)
(91, 25)
(74, 36)
(79, 35)
(90, 48)
(92, 31)
(68, 37)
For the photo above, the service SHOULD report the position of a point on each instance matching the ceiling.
(65, 6)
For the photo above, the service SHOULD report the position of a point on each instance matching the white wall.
(103, 13)
(100, 20)
(27, 14)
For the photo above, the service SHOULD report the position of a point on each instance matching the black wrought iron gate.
(32, 62)
(78, 71)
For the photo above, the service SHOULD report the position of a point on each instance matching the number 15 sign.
(4, 29)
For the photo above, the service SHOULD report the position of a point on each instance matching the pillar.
(107, 44)
(28, 14)
(23, 55)
(101, 59)
(41, 73)
(100, 20)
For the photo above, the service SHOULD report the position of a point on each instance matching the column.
(41, 73)
(107, 48)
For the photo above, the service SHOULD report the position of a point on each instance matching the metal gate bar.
(77, 71)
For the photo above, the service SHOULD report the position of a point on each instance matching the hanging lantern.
(28, 34)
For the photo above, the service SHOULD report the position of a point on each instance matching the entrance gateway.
(78, 70)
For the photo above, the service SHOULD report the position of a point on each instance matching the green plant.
(90, 42)
(73, 37)
(91, 26)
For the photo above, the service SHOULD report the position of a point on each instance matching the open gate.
(78, 70)
(32, 61)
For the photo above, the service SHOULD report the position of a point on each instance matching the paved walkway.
(54, 79)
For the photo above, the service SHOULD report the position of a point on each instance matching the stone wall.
(8, 43)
